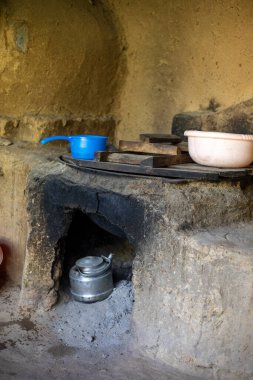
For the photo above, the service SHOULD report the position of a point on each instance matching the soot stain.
(3, 346)
(60, 350)
(25, 324)
(7, 344)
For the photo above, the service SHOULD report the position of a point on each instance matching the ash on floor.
(74, 341)
(101, 324)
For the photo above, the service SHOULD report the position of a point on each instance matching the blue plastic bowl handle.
(53, 138)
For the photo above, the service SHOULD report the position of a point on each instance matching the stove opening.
(94, 235)
(106, 322)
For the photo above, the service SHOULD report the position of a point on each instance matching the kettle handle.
(108, 259)
(53, 138)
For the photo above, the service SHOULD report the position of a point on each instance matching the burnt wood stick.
(144, 147)
(166, 161)
(160, 138)
(142, 159)
(119, 157)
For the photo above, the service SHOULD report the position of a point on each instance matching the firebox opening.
(93, 235)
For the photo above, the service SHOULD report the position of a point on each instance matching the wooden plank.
(144, 147)
(142, 159)
(160, 138)
(120, 157)
(165, 161)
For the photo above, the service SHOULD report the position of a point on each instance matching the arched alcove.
(58, 58)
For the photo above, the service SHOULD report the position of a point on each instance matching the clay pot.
(218, 149)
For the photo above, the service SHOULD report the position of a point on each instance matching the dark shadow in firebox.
(93, 235)
(3, 267)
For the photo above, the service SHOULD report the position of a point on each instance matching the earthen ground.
(39, 347)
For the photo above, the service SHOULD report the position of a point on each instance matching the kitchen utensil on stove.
(91, 278)
(82, 147)
(219, 149)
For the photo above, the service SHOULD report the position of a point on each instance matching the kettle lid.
(92, 264)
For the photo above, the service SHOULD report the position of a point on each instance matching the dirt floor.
(74, 341)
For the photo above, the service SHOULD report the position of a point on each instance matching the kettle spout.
(110, 257)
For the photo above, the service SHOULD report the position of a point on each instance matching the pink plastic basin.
(224, 150)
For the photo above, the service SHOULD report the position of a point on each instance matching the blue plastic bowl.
(82, 147)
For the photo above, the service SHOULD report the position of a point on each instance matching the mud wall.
(139, 62)
(181, 54)
(58, 58)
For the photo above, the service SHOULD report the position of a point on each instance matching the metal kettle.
(91, 278)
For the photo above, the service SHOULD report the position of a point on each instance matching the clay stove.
(192, 257)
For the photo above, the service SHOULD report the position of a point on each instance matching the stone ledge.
(34, 128)
(235, 119)
(232, 239)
